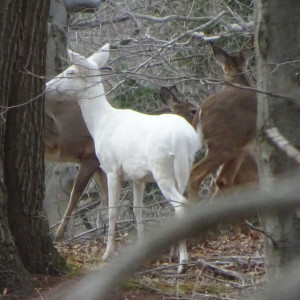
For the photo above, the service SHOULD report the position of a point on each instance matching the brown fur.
(228, 123)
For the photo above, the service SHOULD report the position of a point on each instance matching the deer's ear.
(166, 96)
(249, 44)
(169, 95)
(75, 57)
(101, 57)
(176, 95)
(247, 54)
(220, 54)
(247, 51)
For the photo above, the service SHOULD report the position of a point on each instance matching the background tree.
(278, 56)
(56, 43)
(26, 241)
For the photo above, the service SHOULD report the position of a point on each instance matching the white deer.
(130, 146)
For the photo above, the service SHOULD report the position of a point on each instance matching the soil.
(240, 253)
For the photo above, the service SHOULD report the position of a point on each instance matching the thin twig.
(282, 143)
(244, 87)
(263, 232)
(218, 271)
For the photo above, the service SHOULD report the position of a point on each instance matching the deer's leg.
(248, 172)
(229, 170)
(167, 186)
(228, 173)
(101, 181)
(114, 188)
(225, 181)
(138, 191)
(177, 200)
(209, 164)
(83, 177)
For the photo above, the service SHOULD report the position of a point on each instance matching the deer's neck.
(95, 109)
(242, 78)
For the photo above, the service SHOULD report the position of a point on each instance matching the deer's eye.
(71, 72)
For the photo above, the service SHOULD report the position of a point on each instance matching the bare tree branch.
(282, 143)
(86, 23)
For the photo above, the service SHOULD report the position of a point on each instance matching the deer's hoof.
(182, 267)
(59, 235)
(107, 255)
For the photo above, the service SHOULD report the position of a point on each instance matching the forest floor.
(223, 265)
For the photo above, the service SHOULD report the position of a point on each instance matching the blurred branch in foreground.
(100, 283)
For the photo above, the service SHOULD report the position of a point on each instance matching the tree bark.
(74, 6)
(56, 45)
(277, 52)
(13, 275)
(23, 31)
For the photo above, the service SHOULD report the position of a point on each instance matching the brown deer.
(174, 104)
(226, 123)
(67, 139)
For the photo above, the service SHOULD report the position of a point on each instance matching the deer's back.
(229, 117)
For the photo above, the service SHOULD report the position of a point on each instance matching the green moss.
(73, 269)
(138, 97)
(131, 284)
(177, 287)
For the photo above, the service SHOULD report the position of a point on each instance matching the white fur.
(130, 145)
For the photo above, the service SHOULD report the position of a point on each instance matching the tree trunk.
(74, 6)
(56, 45)
(23, 30)
(13, 275)
(277, 49)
